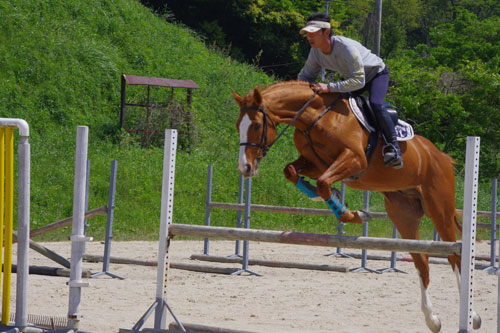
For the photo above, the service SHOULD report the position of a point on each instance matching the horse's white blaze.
(431, 320)
(244, 126)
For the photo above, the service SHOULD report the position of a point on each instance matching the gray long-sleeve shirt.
(353, 61)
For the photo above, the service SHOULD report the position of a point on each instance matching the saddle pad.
(404, 131)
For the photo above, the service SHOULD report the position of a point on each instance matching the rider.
(362, 71)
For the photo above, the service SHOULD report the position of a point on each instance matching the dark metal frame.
(189, 85)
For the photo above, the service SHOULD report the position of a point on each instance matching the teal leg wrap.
(307, 188)
(336, 206)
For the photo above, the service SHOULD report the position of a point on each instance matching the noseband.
(264, 147)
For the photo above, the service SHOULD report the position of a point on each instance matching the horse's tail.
(458, 222)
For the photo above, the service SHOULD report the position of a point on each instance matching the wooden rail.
(298, 238)
(271, 263)
(306, 211)
(67, 221)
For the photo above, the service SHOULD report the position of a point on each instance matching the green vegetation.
(443, 55)
(60, 67)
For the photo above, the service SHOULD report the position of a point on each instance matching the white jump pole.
(23, 227)
(167, 205)
(469, 234)
(160, 305)
(77, 236)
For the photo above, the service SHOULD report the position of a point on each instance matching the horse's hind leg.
(439, 206)
(405, 211)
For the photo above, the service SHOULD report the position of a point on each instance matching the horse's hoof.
(433, 323)
(476, 321)
(365, 216)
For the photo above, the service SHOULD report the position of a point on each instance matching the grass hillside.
(60, 67)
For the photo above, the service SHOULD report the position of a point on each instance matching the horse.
(331, 142)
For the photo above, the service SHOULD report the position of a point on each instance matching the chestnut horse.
(332, 149)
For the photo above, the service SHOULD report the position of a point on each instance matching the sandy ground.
(282, 300)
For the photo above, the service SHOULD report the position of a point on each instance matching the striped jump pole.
(7, 127)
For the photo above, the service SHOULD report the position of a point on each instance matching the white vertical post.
(77, 234)
(469, 234)
(23, 229)
(167, 204)
(23, 218)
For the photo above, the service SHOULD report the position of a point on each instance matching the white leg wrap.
(431, 320)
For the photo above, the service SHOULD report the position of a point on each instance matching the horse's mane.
(287, 84)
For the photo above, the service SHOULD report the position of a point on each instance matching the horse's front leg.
(301, 166)
(346, 165)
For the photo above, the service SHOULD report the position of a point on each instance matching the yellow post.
(9, 217)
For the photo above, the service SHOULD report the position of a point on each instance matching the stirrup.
(392, 157)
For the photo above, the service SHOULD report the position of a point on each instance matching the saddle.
(363, 111)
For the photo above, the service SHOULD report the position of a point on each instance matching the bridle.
(264, 147)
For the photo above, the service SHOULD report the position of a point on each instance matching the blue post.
(239, 214)
(492, 268)
(393, 256)
(109, 225)
(364, 252)
(208, 209)
(248, 203)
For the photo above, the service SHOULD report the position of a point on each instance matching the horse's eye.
(256, 126)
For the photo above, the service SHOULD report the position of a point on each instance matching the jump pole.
(364, 252)
(109, 224)
(300, 238)
(24, 157)
(78, 238)
(469, 234)
(160, 305)
(492, 269)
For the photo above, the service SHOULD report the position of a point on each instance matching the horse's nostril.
(248, 167)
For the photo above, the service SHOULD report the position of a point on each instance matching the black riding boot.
(391, 152)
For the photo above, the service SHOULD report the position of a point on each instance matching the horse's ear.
(257, 97)
(237, 98)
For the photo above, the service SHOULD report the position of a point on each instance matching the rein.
(263, 141)
(299, 113)
(307, 131)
